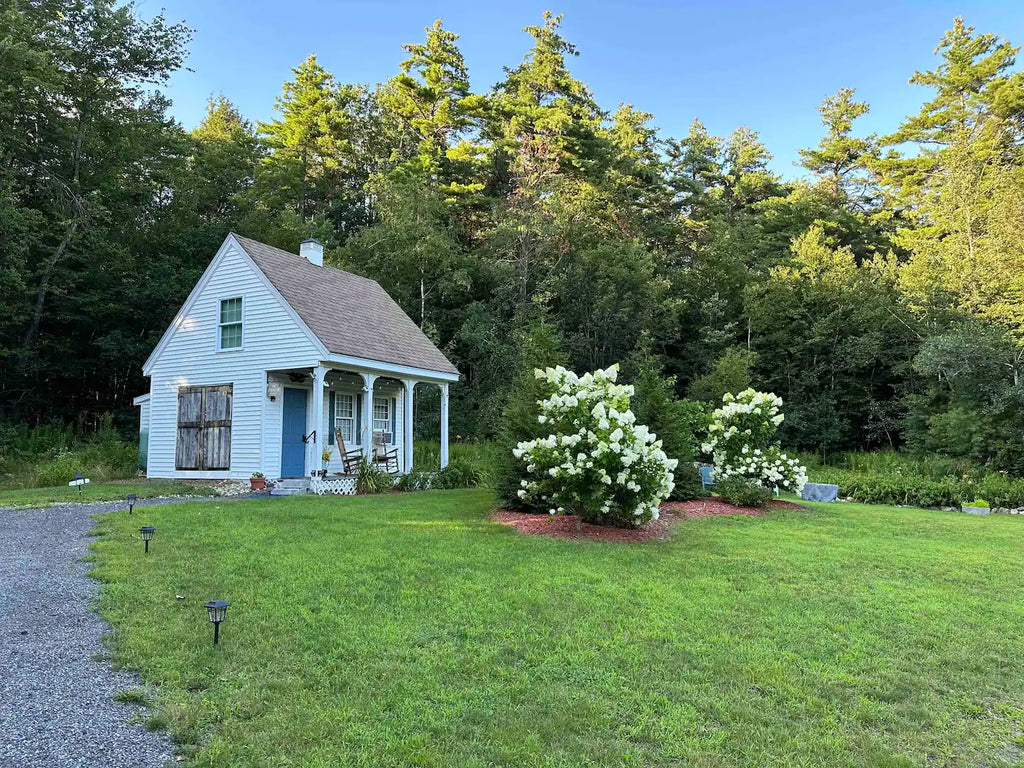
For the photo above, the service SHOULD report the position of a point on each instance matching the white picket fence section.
(333, 486)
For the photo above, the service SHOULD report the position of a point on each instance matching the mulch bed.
(571, 527)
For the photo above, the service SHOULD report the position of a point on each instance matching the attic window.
(231, 323)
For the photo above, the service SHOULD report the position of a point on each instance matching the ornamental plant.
(596, 461)
(741, 442)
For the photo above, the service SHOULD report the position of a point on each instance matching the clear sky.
(760, 64)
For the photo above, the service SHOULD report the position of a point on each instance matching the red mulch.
(571, 527)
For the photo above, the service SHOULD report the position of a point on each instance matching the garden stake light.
(79, 481)
(131, 501)
(217, 610)
(147, 532)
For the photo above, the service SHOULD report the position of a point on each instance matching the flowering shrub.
(597, 462)
(741, 442)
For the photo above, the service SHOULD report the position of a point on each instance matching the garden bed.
(571, 527)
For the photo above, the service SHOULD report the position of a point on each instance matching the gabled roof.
(351, 315)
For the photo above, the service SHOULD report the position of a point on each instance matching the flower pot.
(258, 483)
(976, 510)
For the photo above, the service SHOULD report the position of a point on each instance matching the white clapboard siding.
(144, 415)
(380, 390)
(273, 421)
(189, 356)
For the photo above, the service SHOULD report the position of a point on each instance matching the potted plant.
(976, 507)
(257, 481)
(325, 457)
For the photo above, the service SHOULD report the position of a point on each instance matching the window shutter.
(204, 428)
(190, 415)
(217, 428)
(359, 420)
(330, 417)
(394, 412)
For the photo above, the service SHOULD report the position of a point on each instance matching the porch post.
(316, 418)
(366, 437)
(407, 423)
(444, 426)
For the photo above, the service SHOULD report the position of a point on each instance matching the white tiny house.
(271, 357)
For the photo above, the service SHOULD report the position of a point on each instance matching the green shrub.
(459, 473)
(417, 480)
(483, 457)
(676, 423)
(977, 503)
(741, 492)
(899, 486)
(372, 479)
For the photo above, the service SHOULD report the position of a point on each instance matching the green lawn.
(408, 630)
(63, 494)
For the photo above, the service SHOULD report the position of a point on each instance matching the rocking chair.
(384, 458)
(350, 460)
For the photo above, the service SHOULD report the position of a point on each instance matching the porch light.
(217, 610)
(132, 497)
(274, 389)
(147, 532)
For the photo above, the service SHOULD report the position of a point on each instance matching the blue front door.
(293, 450)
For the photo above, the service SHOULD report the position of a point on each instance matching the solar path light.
(217, 610)
(147, 532)
(132, 498)
(79, 481)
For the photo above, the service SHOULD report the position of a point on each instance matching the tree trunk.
(44, 285)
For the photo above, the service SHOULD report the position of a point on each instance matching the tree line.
(882, 296)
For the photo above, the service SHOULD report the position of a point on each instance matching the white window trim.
(350, 439)
(220, 325)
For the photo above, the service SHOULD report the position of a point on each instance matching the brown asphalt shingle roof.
(351, 315)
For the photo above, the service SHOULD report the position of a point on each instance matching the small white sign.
(81, 481)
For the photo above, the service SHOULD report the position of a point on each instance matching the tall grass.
(479, 460)
(919, 480)
(51, 455)
(931, 466)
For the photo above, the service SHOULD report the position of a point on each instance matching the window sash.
(344, 416)
(230, 323)
(381, 414)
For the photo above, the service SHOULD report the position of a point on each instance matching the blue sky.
(764, 65)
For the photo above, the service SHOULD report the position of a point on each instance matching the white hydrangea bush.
(741, 442)
(597, 462)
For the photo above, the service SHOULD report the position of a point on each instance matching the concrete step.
(288, 492)
(290, 486)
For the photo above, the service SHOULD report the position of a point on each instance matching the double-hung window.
(381, 414)
(230, 324)
(345, 416)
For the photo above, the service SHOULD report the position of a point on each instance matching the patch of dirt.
(572, 528)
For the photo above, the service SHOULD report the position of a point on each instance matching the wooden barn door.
(204, 428)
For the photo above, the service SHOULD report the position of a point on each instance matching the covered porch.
(337, 408)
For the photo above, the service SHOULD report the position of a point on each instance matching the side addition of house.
(274, 358)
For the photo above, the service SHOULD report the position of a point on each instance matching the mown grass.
(407, 629)
(64, 494)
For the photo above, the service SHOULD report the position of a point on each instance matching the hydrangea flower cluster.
(741, 442)
(597, 462)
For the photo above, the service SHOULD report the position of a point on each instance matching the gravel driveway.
(56, 699)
